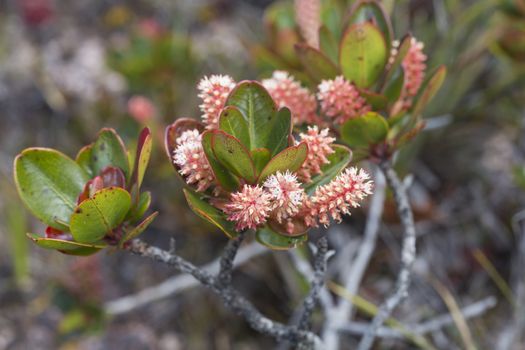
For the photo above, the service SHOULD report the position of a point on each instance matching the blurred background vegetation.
(69, 68)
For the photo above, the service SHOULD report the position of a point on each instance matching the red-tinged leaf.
(261, 157)
(144, 146)
(209, 213)
(173, 132)
(317, 64)
(112, 176)
(299, 227)
(273, 240)
(136, 231)
(429, 90)
(232, 121)
(291, 159)
(49, 183)
(223, 176)
(61, 244)
(232, 154)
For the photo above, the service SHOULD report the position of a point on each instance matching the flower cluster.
(249, 208)
(414, 66)
(280, 199)
(308, 17)
(190, 158)
(213, 92)
(319, 147)
(287, 92)
(337, 197)
(340, 100)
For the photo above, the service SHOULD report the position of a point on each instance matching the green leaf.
(266, 128)
(209, 213)
(363, 54)
(261, 157)
(394, 86)
(280, 130)
(136, 231)
(83, 159)
(49, 183)
(232, 122)
(429, 90)
(226, 179)
(138, 210)
(377, 101)
(328, 43)
(339, 160)
(109, 150)
(317, 65)
(291, 159)
(402, 51)
(233, 155)
(97, 216)
(60, 244)
(364, 131)
(372, 12)
(273, 240)
(144, 146)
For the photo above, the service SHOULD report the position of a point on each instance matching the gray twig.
(408, 256)
(228, 255)
(317, 283)
(473, 310)
(176, 284)
(231, 297)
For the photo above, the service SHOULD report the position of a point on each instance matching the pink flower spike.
(414, 66)
(288, 92)
(248, 208)
(319, 147)
(213, 91)
(286, 195)
(337, 197)
(190, 158)
(308, 17)
(340, 100)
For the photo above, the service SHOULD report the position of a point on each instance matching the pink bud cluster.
(337, 197)
(414, 67)
(213, 91)
(319, 147)
(340, 100)
(283, 199)
(308, 17)
(248, 208)
(192, 162)
(288, 92)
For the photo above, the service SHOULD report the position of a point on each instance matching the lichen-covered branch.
(317, 283)
(228, 255)
(408, 255)
(231, 297)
